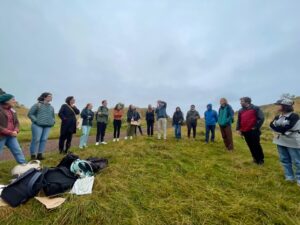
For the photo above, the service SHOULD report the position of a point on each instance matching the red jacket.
(250, 118)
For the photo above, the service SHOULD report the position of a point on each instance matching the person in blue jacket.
(211, 119)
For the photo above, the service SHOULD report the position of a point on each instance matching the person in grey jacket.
(287, 127)
(102, 121)
(42, 117)
(191, 121)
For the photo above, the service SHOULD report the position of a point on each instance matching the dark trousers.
(227, 137)
(140, 130)
(65, 140)
(101, 127)
(192, 126)
(210, 129)
(117, 128)
(252, 139)
(150, 125)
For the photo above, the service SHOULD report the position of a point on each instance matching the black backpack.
(68, 160)
(23, 188)
(97, 164)
(57, 180)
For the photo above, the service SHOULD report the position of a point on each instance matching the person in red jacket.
(250, 120)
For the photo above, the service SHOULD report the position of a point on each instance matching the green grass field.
(172, 182)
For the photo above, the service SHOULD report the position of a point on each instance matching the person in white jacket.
(286, 126)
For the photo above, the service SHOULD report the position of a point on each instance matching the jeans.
(288, 157)
(101, 128)
(191, 126)
(252, 138)
(39, 139)
(162, 128)
(85, 135)
(210, 129)
(117, 128)
(177, 130)
(13, 145)
(150, 124)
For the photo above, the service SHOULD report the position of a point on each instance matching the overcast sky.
(137, 51)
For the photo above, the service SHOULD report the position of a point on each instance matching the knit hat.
(5, 98)
(285, 101)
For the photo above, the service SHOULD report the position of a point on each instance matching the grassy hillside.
(172, 182)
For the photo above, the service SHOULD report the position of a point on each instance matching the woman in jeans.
(177, 122)
(118, 115)
(42, 117)
(287, 127)
(87, 116)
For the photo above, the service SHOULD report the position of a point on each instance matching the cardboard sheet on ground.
(51, 203)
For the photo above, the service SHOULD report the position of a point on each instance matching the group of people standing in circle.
(250, 119)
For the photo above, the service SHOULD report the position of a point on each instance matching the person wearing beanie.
(250, 120)
(42, 117)
(286, 126)
(9, 127)
(211, 118)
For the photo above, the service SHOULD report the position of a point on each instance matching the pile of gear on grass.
(47, 184)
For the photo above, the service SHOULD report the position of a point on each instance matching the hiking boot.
(33, 157)
(40, 156)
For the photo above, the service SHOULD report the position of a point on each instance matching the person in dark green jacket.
(225, 119)
(87, 116)
(102, 120)
(42, 117)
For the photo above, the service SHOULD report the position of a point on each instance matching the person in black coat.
(150, 118)
(178, 120)
(67, 114)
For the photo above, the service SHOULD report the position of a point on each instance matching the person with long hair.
(133, 119)
(286, 126)
(67, 114)
(150, 119)
(118, 116)
(42, 117)
(225, 120)
(87, 116)
(178, 120)
(9, 127)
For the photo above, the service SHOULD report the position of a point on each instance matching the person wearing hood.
(191, 120)
(178, 120)
(250, 120)
(286, 126)
(9, 127)
(42, 117)
(211, 119)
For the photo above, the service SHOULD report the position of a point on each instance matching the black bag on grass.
(97, 164)
(68, 160)
(23, 188)
(57, 180)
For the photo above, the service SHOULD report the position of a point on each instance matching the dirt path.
(52, 145)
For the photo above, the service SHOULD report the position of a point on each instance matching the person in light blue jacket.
(211, 119)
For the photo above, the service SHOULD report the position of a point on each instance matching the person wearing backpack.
(42, 117)
(161, 115)
(118, 116)
(150, 119)
(87, 116)
(67, 114)
(225, 119)
(211, 119)
(191, 120)
(9, 127)
(178, 120)
(286, 126)
(102, 121)
(250, 120)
